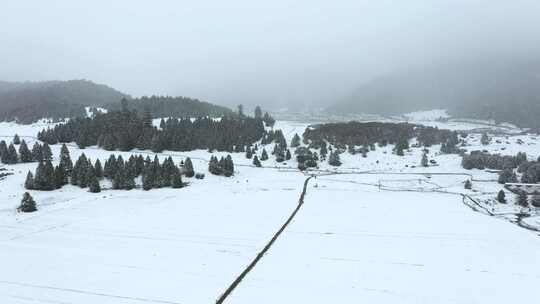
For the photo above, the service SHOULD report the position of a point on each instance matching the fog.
(279, 53)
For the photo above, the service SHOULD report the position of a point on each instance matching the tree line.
(125, 130)
(122, 173)
(9, 154)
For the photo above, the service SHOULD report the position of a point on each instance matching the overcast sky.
(229, 52)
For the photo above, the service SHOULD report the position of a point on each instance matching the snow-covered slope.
(358, 237)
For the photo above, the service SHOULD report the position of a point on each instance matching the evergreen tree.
(16, 140)
(60, 179)
(45, 178)
(46, 152)
(258, 112)
(522, 199)
(11, 156)
(507, 176)
(29, 183)
(424, 161)
(229, 166)
(157, 174)
(264, 155)
(37, 154)
(147, 177)
(501, 197)
(65, 161)
(24, 152)
(324, 150)
(249, 153)
(27, 203)
(3, 151)
(110, 167)
(468, 184)
(334, 160)
(98, 169)
(256, 161)
(295, 141)
(188, 168)
(177, 180)
(288, 155)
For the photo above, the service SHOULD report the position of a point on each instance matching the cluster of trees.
(352, 134)
(306, 158)
(125, 130)
(48, 177)
(167, 106)
(9, 154)
(27, 203)
(481, 160)
(530, 172)
(223, 166)
(122, 174)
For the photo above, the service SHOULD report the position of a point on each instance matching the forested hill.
(27, 102)
(505, 92)
(178, 107)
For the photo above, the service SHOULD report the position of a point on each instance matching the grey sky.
(253, 52)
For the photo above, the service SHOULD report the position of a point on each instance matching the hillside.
(27, 102)
(508, 92)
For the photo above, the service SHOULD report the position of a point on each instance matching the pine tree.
(177, 180)
(3, 151)
(501, 197)
(24, 152)
(188, 168)
(295, 142)
(29, 183)
(264, 155)
(11, 157)
(110, 167)
(522, 199)
(424, 161)
(468, 184)
(46, 152)
(249, 153)
(45, 178)
(98, 169)
(258, 112)
(60, 179)
(37, 154)
(229, 166)
(333, 159)
(256, 162)
(65, 161)
(27, 203)
(16, 140)
(147, 177)
(288, 155)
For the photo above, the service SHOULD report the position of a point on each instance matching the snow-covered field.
(358, 237)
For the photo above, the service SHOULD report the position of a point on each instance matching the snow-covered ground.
(368, 237)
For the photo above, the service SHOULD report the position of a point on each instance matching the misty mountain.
(27, 102)
(504, 92)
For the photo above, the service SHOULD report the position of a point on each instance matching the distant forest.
(178, 107)
(128, 129)
(27, 102)
(365, 134)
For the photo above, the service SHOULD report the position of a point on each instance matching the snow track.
(259, 256)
